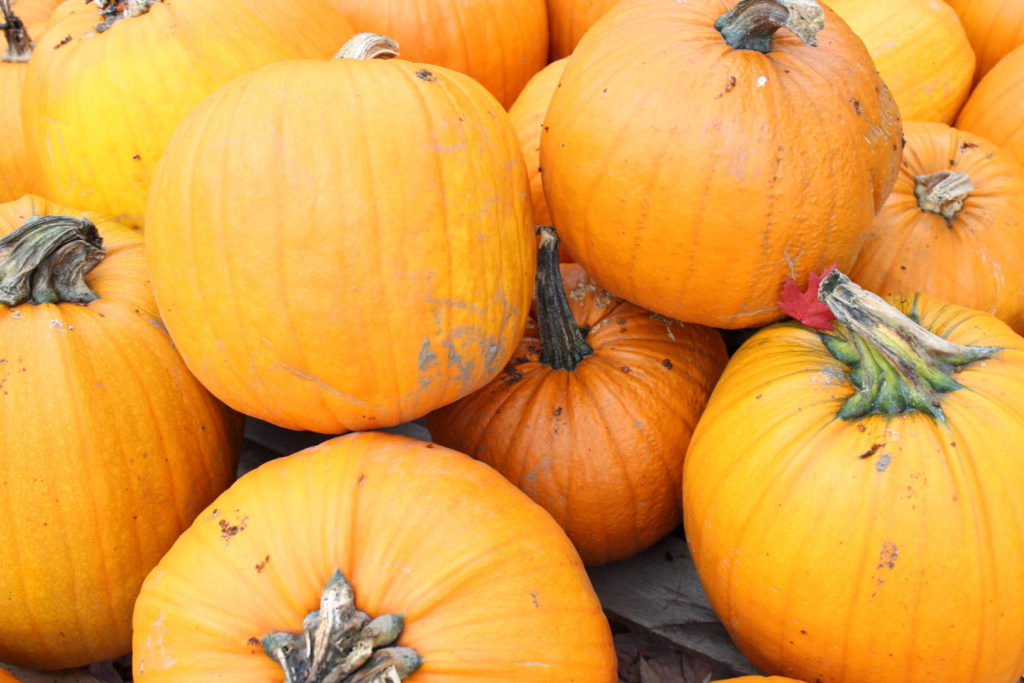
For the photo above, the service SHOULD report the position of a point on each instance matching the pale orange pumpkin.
(489, 586)
(500, 43)
(953, 225)
(921, 51)
(692, 178)
(995, 109)
(110, 447)
(402, 289)
(568, 20)
(107, 87)
(994, 27)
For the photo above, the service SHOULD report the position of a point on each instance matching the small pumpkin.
(402, 289)
(994, 27)
(953, 225)
(500, 43)
(110, 447)
(851, 493)
(569, 19)
(688, 141)
(995, 109)
(489, 586)
(921, 51)
(98, 110)
(592, 417)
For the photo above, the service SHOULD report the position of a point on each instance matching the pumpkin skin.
(921, 51)
(600, 446)
(107, 466)
(995, 28)
(500, 43)
(568, 20)
(995, 109)
(880, 539)
(972, 259)
(763, 679)
(490, 587)
(97, 110)
(630, 201)
(6, 677)
(424, 281)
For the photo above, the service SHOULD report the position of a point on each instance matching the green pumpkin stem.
(46, 260)
(19, 45)
(943, 192)
(341, 644)
(898, 366)
(115, 10)
(751, 24)
(368, 46)
(562, 344)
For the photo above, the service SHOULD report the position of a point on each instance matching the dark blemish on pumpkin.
(429, 445)
(861, 428)
(887, 558)
(856, 105)
(227, 529)
(63, 41)
(903, 267)
(545, 128)
(426, 75)
(214, 514)
(253, 643)
(964, 146)
(883, 462)
(989, 155)
(757, 397)
(557, 411)
(626, 369)
(871, 451)
(729, 85)
(136, 157)
(427, 358)
(512, 375)
(667, 363)
(952, 162)
(362, 478)
(535, 602)
(803, 632)
(620, 321)
(261, 565)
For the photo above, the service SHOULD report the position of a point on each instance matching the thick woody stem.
(46, 260)
(562, 343)
(368, 46)
(751, 24)
(19, 44)
(943, 192)
(115, 10)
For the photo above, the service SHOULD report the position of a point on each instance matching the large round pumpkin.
(593, 415)
(995, 28)
(354, 262)
(995, 109)
(851, 495)
(108, 85)
(921, 52)
(568, 20)
(110, 447)
(500, 43)
(691, 170)
(489, 586)
(953, 225)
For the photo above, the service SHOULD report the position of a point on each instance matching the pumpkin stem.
(115, 10)
(561, 340)
(46, 259)
(368, 46)
(341, 644)
(19, 45)
(751, 24)
(943, 192)
(898, 366)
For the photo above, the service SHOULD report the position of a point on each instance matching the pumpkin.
(489, 586)
(592, 417)
(921, 52)
(402, 289)
(673, 155)
(6, 677)
(500, 43)
(763, 679)
(995, 109)
(851, 494)
(994, 27)
(110, 446)
(568, 20)
(527, 115)
(98, 110)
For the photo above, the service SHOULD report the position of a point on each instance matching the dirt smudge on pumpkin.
(856, 106)
(729, 85)
(260, 566)
(63, 41)
(229, 530)
(667, 363)
(426, 75)
(883, 462)
(427, 358)
(871, 451)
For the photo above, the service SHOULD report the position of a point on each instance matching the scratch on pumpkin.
(324, 385)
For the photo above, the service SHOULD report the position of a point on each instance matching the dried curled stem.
(46, 260)
(751, 24)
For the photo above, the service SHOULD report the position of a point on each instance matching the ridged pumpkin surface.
(110, 448)
(336, 291)
(921, 52)
(99, 107)
(692, 178)
(500, 43)
(866, 549)
(995, 109)
(490, 587)
(568, 20)
(973, 259)
(995, 28)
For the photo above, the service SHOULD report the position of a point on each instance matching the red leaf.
(804, 305)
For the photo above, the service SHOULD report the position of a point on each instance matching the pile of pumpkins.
(323, 214)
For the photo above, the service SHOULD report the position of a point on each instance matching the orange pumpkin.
(402, 289)
(6, 677)
(850, 496)
(995, 109)
(489, 586)
(761, 679)
(500, 43)
(672, 159)
(592, 417)
(110, 446)
(995, 28)
(921, 52)
(568, 20)
(953, 225)
(98, 110)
